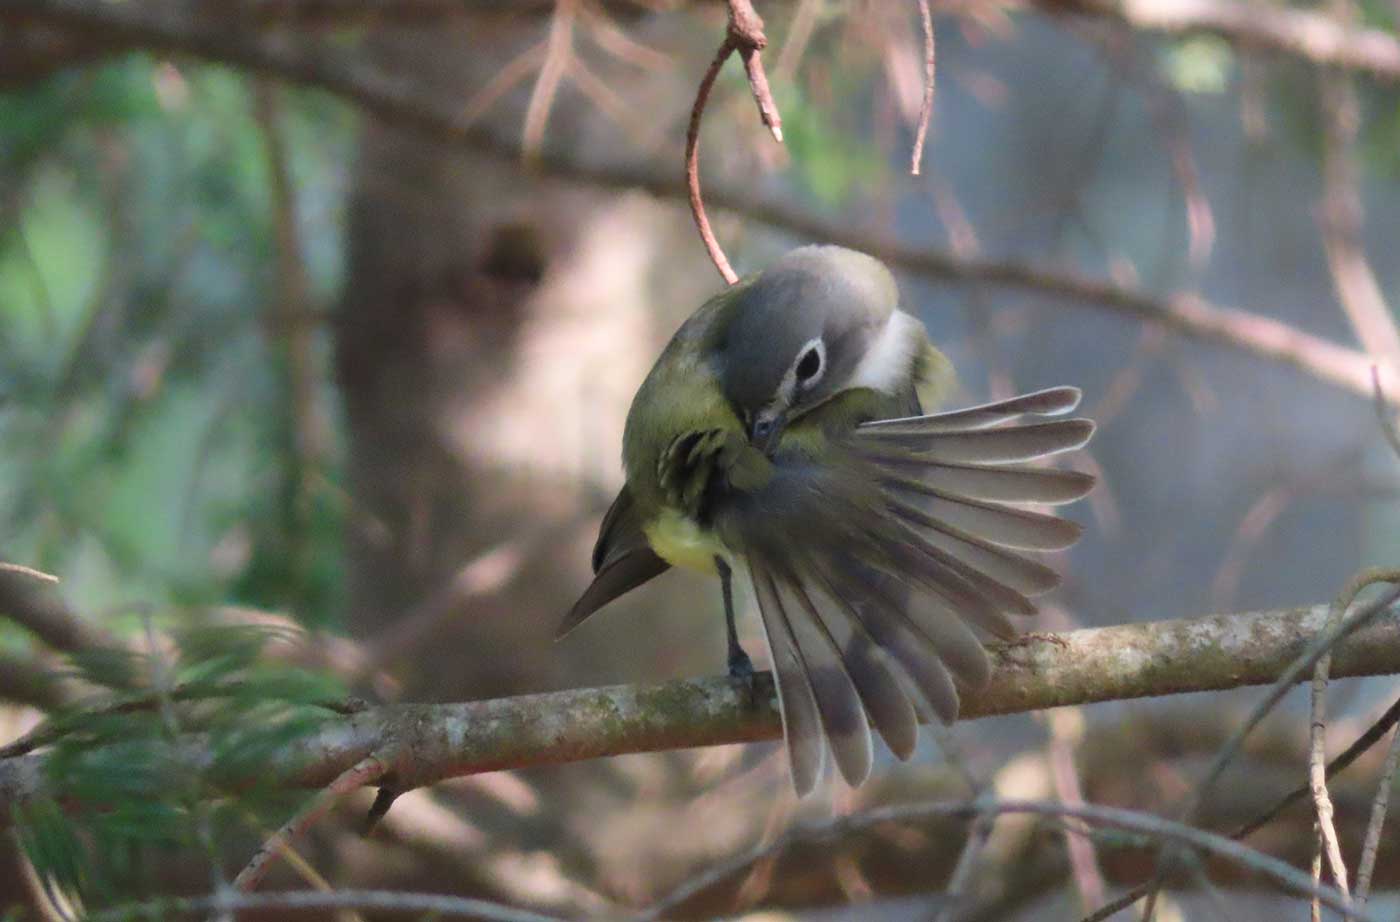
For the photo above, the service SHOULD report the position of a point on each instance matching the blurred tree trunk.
(493, 328)
(445, 262)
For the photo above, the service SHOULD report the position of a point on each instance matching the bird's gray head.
(798, 333)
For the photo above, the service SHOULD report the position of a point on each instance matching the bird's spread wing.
(874, 561)
(622, 561)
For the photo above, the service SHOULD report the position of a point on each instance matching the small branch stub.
(746, 34)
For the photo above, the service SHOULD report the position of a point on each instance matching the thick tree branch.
(422, 744)
(1307, 35)
(1310, 36)
(127, 26)
(26, 681)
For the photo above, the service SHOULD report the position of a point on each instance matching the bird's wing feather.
(877, 558)
(622, 561)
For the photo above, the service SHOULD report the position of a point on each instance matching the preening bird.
(782, 432)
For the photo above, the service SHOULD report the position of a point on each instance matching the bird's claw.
(741, 670)
(740, 666)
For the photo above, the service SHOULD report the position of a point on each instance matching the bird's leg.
(740, 666)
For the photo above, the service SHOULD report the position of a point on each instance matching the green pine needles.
(162, 761)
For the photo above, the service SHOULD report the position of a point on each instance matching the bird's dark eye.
(811, 364)
(763, 428)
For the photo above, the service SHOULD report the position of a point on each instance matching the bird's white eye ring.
(809, 365)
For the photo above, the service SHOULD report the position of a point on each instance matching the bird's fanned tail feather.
(1053, 401)
(880, 606)
(838, 698)
(1049, 402)
(874, 613)
(1009, 526)
(1000, 445)
(802, 727)
(997, 483)
(875, 676)
(1016, 571)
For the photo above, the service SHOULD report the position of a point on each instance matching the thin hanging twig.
(1203, 843)
(1317, 763)
(930, 73)
(366, 771)
(1315, 869)
(559, 52)
(1383, 411)
(1317, 772)
(1372, 843)
(1320, 646)
(1370, 737)
(506, 79)
(1359, 747)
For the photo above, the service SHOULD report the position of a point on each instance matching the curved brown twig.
(745, 35)
(692, 164)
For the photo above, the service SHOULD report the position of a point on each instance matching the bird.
(783, 433)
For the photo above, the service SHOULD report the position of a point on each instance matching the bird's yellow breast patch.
(679, 541)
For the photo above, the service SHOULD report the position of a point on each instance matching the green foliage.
(146, 448)
(52, 271)
(1200, 64)
(146, 445)
(831, 160)
(40, 120)
(1381, 143)
(1294, 97)
(1378, 14)
(173, 757)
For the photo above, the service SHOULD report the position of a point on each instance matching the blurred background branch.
(133, 27)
